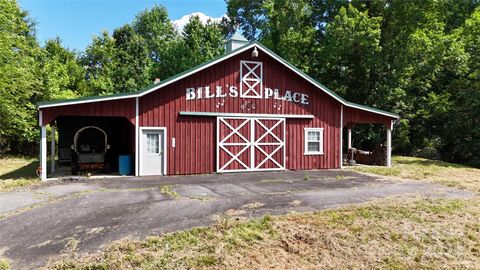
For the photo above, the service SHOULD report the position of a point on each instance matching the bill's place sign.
(251, 86)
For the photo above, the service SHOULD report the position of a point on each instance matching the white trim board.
(247, 115)
(341, 137)
(137, 154)
(165, 147)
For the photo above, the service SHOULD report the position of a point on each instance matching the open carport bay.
(119, 133)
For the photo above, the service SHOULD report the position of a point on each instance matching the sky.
(75, 21)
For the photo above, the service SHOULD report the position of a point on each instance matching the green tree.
(131, 58)
(287, 27)
(350, 54)
(19, 78)
(461, 131)
(62, 76)
(202, 42)
(160, 35)
(98, 61)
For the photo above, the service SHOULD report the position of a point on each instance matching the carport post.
(43, 147)
(349, 143)
(43, 152)
(137, 147)
(52, 150)
(389, 144)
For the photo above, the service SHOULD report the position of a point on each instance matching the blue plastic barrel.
(125, 164)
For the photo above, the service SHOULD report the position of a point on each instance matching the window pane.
(152, 144)
(314, 136)
(313, 147)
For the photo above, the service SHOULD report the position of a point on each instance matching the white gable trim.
(240, 50)
(321, 87)
(226, 56)
(160, 85)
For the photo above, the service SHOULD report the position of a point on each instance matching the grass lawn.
(393, 233)
(449, 174)
(17, 172)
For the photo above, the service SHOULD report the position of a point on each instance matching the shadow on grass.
(27, 171)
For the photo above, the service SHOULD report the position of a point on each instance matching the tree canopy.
(420, 59)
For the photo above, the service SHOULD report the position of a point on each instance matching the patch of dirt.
(295, 203)
(254, 205)
(95, 230)
(235, 212)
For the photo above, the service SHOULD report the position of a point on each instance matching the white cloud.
(180, 23)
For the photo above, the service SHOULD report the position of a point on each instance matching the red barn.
(247, 110)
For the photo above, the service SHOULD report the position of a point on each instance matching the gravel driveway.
(82, 216)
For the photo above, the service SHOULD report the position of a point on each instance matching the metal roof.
(207, 64)
(238, 37)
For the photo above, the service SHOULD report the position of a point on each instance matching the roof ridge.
(154, 87)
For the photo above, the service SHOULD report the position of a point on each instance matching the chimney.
(235, 42)
(157, 80)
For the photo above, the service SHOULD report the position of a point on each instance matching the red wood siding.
(356, 116)
(195, 147)
(195, 136)
(121, 107)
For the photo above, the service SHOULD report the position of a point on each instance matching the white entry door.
(152, 152)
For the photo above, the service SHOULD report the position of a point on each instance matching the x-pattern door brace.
(247, 69)
(279, 143)
(250, 141)
(246, 144)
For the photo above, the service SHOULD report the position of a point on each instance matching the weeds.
(202, 198)
(392, 233)
(168, 190)
(4, 264)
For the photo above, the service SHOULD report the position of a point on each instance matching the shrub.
(428, 152)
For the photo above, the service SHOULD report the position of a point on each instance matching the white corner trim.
(305, 139)
(165, 147)
(341, 136)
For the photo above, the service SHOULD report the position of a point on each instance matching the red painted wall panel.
(356, 116)
(195, 150)
(121, 107)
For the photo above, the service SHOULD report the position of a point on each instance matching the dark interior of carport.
(120, 136)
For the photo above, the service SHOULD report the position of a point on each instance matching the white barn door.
(250, 144)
